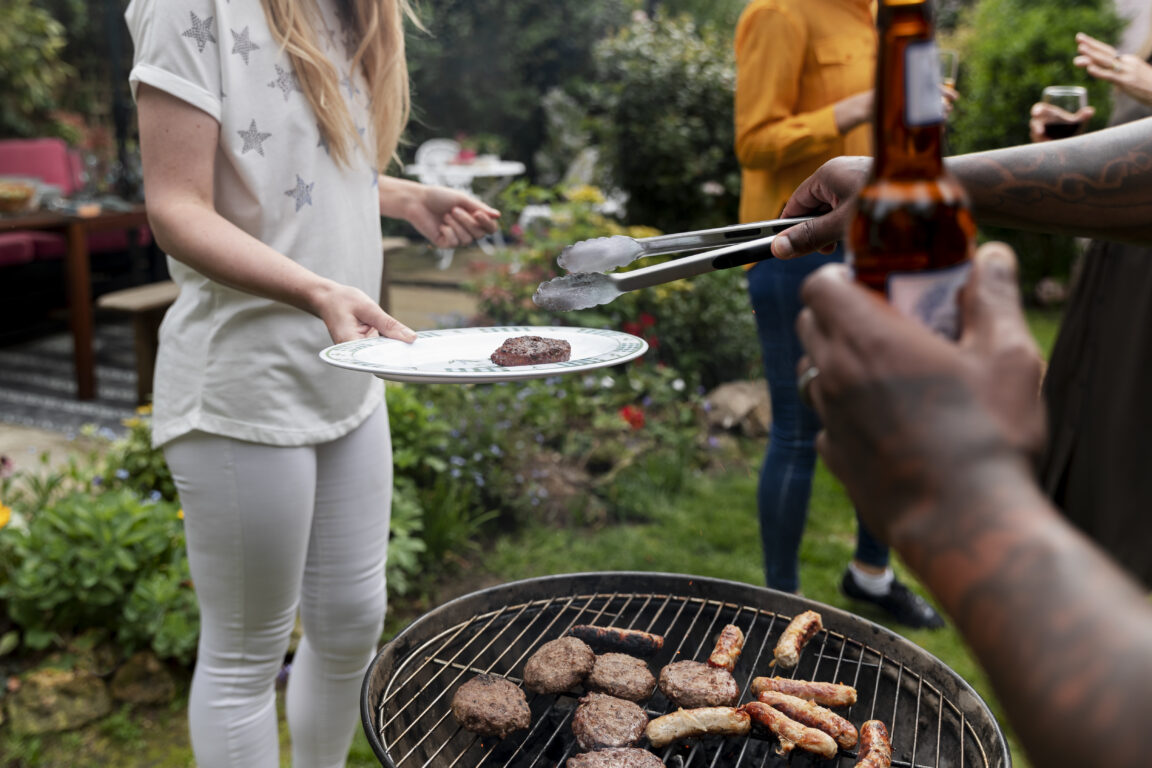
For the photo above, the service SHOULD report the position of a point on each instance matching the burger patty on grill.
(531, 350)
(559, 665)
(622, 676)
(491, 706)
(691, 684)
(603, 721)
(627, 757)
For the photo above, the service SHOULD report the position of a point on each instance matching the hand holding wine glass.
(1062, 111)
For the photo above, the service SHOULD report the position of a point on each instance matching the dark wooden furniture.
(146, 305)
(78, 271)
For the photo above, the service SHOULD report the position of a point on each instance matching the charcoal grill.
(933, 716)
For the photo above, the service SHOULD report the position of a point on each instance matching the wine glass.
(949, 64)
(1068, 101)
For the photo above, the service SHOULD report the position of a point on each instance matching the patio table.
(78, 273)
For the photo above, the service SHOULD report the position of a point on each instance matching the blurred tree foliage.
(32, 69)
(486, 64)
(661, 108)
(1010, 50)
(722, 14)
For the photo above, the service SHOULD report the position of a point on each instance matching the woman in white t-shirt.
(264, 127)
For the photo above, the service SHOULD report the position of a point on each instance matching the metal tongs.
(587, 261)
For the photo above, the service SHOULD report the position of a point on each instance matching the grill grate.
(934, 718)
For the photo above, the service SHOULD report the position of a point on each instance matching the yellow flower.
(131, 423)
(144, 410)
(585, 194)
(180, 514)
(5, 514)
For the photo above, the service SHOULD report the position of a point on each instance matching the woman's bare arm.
(178, 144)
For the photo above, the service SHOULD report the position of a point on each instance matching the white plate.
(461, 355)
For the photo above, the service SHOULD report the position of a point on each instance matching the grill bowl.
(934, 717)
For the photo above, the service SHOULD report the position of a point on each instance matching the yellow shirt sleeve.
(771, 46)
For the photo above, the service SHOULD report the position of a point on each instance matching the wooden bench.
(146, 305)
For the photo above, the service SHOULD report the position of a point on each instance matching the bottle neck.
(909, 124)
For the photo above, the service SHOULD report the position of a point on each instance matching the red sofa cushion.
(15, 248)
(48, 159)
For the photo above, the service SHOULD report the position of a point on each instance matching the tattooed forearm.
(1098, 185)
(1066, 638)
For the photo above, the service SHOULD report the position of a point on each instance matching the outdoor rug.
(38, 385)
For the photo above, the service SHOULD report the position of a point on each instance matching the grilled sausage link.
(875, 746)
(812, 715)
(702, 721)
(795, 636)
(791, 733)
(630, 641)
(828, 694)
(728, 648)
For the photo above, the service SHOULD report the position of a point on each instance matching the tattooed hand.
(930, 437)
(907, 413)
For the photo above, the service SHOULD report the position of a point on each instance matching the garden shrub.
(1010, 50)
(662, 109)
(161, 613)
(132, 462)
(73, 565)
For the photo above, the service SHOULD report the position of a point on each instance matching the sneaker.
(901, 603)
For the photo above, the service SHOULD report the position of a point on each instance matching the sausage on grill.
(813, 716)
(631, 641)
(701, 721)
(795, 636)
(875, 746)
(728, 648)
(828, 694)
(791, 733)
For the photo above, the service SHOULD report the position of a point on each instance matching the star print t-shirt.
(231, 363)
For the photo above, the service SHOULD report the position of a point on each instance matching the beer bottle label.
(923, 103)
(931, 296)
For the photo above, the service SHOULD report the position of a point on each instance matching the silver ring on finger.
(804, 384)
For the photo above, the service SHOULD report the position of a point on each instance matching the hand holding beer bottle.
(911, 236)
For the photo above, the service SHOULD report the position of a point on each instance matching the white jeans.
(272, 531)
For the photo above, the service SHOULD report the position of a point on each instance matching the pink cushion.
(15, 248)
(48, 159)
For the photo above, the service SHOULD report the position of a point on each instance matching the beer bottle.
(912, 235)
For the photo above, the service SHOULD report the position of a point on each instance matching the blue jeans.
(786, 474)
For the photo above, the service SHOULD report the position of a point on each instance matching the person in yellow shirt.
(805, 71)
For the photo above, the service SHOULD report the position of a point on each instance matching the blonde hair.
(379, 56)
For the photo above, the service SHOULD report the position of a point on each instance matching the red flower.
(646, 320)
(632, 327)
(634, 415)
